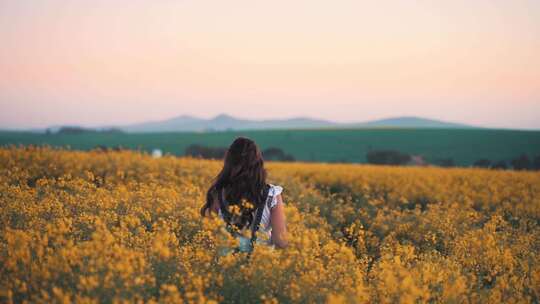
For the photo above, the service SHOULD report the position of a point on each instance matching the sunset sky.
(117, 62)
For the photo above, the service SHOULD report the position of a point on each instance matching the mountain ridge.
(224, 122)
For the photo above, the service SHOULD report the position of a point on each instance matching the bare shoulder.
(279, 199)
(278, 205)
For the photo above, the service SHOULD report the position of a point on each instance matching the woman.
(243, 199)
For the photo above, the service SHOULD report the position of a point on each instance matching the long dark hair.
(244, 178)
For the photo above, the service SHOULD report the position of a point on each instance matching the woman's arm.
(277, 220)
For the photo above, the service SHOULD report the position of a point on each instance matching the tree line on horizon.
(394, 157)
(271, 153)
(81, 130)
(381, 157)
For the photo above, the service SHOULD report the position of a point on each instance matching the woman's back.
(243, 199)
(266, 224)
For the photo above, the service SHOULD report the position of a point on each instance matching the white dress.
(265, 231)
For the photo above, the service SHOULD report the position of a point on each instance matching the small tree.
(205, 152)
(500, 165)
(482, 163)
(445, 162)
(277, 154)
(521, 163)
(387, 157)
(536, 163)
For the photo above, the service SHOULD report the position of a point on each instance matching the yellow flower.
(122, 227)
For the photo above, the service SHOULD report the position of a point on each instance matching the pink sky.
(119, 62)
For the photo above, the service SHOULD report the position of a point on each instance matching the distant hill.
(413, 122)
(223, 122)
(226, 122)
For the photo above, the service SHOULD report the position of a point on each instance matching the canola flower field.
(121, 227)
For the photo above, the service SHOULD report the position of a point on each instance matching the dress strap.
(263, 201)
(266, 199)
